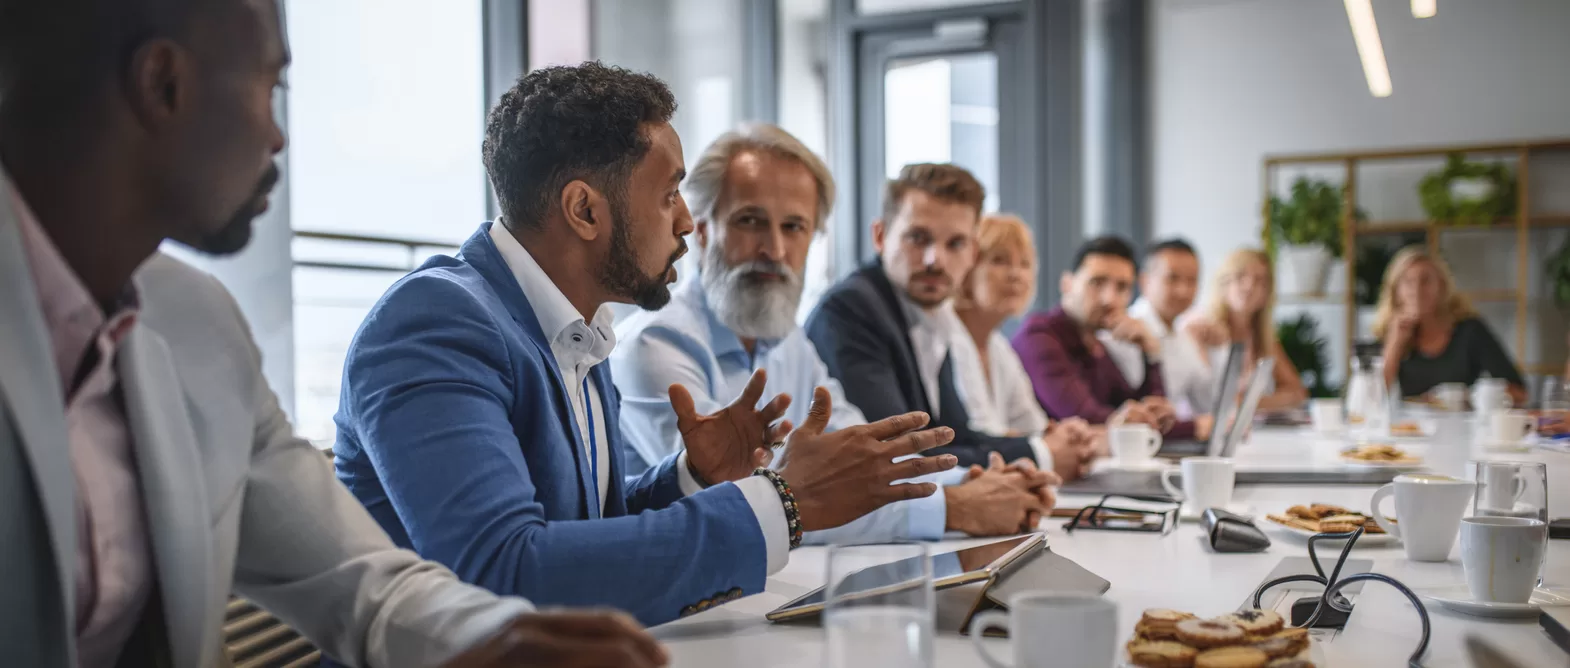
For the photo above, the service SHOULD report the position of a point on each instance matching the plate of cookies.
(1380, 455)
(1310, 520)
(1243, 639)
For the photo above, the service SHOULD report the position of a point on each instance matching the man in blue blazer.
(479, 426)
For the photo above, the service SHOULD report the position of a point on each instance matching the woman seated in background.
(992, 381)
(1240, 309)
(1431, 333)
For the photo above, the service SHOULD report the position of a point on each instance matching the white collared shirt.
(999, 400)
(578, 347)
(930, 334)
(1185, 372)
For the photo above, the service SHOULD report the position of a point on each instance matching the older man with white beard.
(758, 197)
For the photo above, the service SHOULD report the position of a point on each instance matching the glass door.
(932, 94)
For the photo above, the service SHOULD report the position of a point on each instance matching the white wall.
(1234, 80)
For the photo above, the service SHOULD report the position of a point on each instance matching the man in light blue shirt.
(758, 197)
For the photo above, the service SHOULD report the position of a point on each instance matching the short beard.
(236, 234)
(620, 275)
(751, 309)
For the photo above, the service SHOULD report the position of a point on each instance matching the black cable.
(1422, 613)
(1333, 584)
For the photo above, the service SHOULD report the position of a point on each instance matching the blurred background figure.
(1239, 310)
(1431, 333)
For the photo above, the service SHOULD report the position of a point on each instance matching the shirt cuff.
(926, 518)
(689, 485)
(770, 511)
(1038, 445)
(484, 624)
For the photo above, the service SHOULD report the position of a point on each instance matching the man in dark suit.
(884, 331)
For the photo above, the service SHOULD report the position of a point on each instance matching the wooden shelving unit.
(1522, 223)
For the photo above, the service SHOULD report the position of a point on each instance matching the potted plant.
(1468, 193)
(1301, 342)
(1558, 269)
(1308, 228)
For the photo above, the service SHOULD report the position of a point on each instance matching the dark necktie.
(951, 411)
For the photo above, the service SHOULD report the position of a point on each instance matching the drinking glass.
(1511, 489)
(1554, 397)
(879, 607)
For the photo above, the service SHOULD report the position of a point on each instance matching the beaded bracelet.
(792, 513)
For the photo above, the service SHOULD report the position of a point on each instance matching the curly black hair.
(558, 124)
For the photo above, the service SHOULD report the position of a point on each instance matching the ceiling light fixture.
(1424, 9)
(1366, 34)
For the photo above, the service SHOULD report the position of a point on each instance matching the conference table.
(1178, 571)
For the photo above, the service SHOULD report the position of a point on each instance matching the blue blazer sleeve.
(433, 386)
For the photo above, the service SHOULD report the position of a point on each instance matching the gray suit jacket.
(233, 499)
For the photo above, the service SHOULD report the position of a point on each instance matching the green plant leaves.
(1301, 342)
(1557, 266)
(1442, 206)
(1311, 216)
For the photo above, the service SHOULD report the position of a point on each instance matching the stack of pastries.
(1244, 639)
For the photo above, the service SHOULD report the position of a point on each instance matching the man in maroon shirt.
(1069, 366)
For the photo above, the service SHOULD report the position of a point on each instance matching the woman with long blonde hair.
(1240, 309)
(1431, 333)
(993, 385)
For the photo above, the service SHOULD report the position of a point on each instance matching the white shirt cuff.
(770, 511)
(481, 625)
(926, 518)
(689, 485)
(1038, 445)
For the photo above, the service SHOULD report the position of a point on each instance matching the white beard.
(751, 310)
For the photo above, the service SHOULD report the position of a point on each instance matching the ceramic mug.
(1052, 629)
(1428, 513)
(1133, 443)
(1502, 556)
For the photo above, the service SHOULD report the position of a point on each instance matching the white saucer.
(1506, 446)
(1145, 465)
(1457, 598)
(1191, 514)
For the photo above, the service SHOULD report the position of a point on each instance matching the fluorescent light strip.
(1366, 33)
(1425, 9)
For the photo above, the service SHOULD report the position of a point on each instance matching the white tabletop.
(1178, 571)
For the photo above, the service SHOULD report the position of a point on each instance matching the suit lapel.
(481, 253)
(30, 386)
(174, 493)
(895, 314)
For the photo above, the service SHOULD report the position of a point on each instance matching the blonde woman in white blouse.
(991, 380)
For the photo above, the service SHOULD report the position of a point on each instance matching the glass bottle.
(1368, 401)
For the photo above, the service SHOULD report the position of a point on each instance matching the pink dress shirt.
(113, 572)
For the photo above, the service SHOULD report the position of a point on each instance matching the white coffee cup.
(1133, 443)
(1489, 395)
(1505, 427)
(1501, 556)
(1451, 396)
(1428, 513)
(1326, 415)
(1052, 629)
(1207, 482)
(1500, 487)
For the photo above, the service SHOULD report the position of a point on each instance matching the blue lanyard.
(594, 448)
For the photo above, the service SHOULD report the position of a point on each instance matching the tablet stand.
(1044, 570)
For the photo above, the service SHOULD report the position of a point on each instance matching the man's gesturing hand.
(730, 444)
(841, 476)
(566, 640)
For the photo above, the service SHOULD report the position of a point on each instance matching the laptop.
(1223, 442)
(1220, 407)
